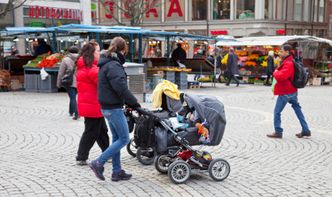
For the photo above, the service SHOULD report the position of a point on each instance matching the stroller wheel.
(132, 148)
(219, 169)
(162, 162)
(179, 171)
(145, 155)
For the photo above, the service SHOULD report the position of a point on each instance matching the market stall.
(252, 53)
(135, 36)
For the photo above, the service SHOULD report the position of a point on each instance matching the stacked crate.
(136, 83)
(4, 80)
(135, 77)
(181, 79)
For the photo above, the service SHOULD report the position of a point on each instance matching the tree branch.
(135, 9)
(10, 6)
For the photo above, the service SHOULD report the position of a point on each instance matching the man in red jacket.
(287, 93)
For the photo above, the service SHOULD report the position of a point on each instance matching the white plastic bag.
(43, 74)
(181, 65)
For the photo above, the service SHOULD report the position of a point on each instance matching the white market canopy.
(271, 41)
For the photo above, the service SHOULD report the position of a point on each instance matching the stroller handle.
(147, 113)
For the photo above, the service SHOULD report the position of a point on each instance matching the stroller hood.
(209, 108)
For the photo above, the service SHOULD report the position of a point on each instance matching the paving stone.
(38, 143)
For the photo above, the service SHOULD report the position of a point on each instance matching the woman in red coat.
(88, 106)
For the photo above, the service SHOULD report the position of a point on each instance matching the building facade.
(236, 18)
(329, 19)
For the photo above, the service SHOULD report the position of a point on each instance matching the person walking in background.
(232, 67)
(113, 93)
(88, 105)
(287, 93)
(270, 67)
(179, 55)
(67, 67)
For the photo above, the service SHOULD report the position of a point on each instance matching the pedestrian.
(113, 93)
(269, 68)
(67, 67)
(179, 55)
(232, 67)
(88, 106)
(287, 93)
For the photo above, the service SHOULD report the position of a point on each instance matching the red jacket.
(284, 75)
(87, 81)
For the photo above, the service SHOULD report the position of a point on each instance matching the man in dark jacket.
(42, 48)
(179, 55)
(232, 67)
(287, 93)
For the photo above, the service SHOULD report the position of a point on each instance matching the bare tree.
(11, 5)
(134, 10)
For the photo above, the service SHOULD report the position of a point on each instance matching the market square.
(39, 141)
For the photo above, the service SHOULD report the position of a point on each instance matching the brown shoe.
(274, 135)
(301, 135)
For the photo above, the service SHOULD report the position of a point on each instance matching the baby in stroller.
(176, 156)
(166, 98)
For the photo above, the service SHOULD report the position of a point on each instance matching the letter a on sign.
(151, 10)
(174, 8)
(110, 5)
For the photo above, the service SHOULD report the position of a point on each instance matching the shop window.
(268, 10)
(315, 12)
(221, 9)
(245, 9)
(199, 10)
(280, 9)
(307, 7)
(321, 10)
(290, 10)
(298, 10)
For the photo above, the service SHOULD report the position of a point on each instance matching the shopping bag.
(274, 82)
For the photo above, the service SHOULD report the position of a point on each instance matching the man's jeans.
(72, 92)
(120, 137)
(280, 105)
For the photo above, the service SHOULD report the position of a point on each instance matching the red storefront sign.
(175, 8)
(219, 32)
(54, 13)
(281, 32)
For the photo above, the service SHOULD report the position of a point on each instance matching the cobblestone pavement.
(38, 143)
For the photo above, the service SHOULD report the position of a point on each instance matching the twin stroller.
(156, 138)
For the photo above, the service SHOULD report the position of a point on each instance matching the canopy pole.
(140, 48)
(215, 64)
(54, 43)
(168, 50)
(131, 48)
(98, 40)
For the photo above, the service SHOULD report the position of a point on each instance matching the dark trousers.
(268, 79)
(72, 92)
(95, 130)
(230, 77)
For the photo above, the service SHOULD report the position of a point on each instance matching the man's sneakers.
(301, 135)
(122, 175)
(275, 135)
(98, 169)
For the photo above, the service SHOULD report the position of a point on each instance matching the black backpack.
(301, 75)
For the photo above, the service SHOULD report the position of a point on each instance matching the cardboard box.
(317, 81)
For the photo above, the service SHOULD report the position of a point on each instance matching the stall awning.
(272, 41)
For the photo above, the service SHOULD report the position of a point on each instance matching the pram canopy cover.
(209, 108)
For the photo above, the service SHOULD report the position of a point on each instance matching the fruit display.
(170, 69)
(45, 61)
(50, 61)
